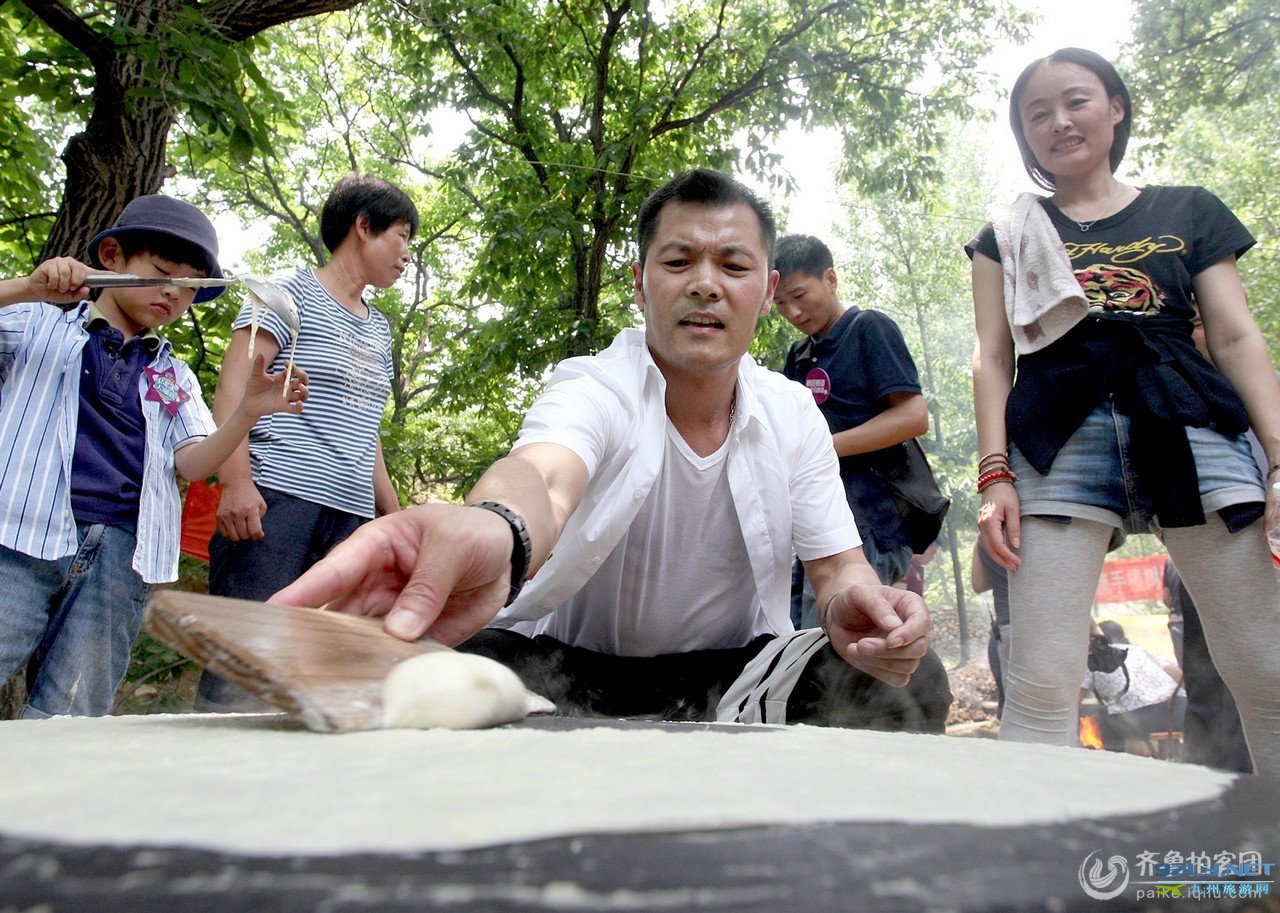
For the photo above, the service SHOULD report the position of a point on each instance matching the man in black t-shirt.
(857, 365)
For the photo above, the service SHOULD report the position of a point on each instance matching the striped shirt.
(40, 362)
(326, 453)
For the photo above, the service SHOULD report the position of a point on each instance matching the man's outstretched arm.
(444, 570)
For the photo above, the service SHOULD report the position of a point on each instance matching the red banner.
(199, 519)
(1131, 579)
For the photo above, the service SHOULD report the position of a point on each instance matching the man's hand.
(438, 570)
(879, 629)
(240, 511)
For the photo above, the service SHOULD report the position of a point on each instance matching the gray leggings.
(1230, 577)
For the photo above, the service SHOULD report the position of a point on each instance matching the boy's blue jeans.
(71, 621)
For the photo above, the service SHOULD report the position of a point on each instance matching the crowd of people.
(678, 532)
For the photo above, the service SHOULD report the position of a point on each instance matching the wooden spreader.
(325, 667)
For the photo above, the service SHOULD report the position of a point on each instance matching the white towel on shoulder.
(1042, 298)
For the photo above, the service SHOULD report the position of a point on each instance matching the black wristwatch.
(521, 548)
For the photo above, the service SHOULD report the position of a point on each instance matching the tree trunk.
(939, 440)
(957, 580)
(122, 152)
(119, 156)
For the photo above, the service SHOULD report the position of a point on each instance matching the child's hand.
(60, 281)
(265, 393)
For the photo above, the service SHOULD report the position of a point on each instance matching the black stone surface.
(837, 867)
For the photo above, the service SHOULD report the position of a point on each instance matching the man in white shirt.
(659, 490)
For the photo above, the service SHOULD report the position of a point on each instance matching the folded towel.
(1042, 298)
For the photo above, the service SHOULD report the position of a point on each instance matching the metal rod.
(125, 280)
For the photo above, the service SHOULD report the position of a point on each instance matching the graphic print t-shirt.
(1141, 261)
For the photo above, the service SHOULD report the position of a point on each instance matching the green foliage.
(153, 682)
(773, 336)
(340, 112)
(1205, 78)
(36, 109)
(1203, 53)
(1237, 159)
(217, 83)
(579, 110)
(123, 72)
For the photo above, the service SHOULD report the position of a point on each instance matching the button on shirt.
(610, 410)
(40, 363)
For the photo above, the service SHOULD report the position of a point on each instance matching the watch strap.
(521, 546)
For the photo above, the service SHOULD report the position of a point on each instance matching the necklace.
(1106, 209)
(733, 406)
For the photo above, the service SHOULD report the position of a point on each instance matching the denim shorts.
(1093, 477)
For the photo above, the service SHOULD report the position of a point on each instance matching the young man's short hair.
(803, 254)
(711, 188)
(381, 202)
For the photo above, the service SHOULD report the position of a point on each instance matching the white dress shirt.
(782, 472)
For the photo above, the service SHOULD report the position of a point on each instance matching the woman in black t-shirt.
(1115, 423)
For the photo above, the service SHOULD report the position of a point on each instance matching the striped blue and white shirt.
(40, 362)
(325, 454)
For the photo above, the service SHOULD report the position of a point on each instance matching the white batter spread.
(262, 784)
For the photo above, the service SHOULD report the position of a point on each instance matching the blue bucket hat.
(167, 216)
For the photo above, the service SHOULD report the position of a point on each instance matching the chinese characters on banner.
(1131, 579)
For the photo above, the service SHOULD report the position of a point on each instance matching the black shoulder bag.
(920, 503)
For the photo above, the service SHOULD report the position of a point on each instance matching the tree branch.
(74, 30)
(236, 20)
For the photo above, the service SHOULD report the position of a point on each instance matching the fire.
(1090, 733)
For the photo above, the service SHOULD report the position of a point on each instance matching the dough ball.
(447, 690)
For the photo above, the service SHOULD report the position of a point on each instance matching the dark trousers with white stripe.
(823, 689)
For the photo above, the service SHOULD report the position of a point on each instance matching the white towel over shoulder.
(1042, 298)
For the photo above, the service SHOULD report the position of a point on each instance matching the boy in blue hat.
(96, 417)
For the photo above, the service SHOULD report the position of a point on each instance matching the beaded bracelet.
(987, 483)
(987, 479)
(998, 454)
